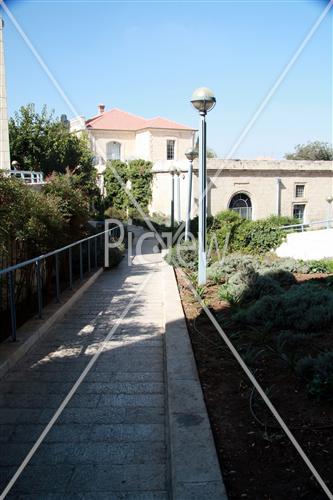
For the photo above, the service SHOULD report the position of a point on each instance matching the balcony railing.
(27, 176)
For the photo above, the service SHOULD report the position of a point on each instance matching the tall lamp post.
(329, 200)
(172, 172)
(178, 172)
(203, 100)
(190, 154)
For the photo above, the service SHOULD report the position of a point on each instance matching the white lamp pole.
(203, 100)
(190, 154)
(172, 172)
(329, 200)
(178, 172)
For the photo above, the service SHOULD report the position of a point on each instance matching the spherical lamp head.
(203, 100)
(191, 154)
(329, 199)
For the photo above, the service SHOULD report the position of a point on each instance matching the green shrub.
(223, 228)
(245, 286)
(194, 225)
(256, 237)
(307, 307)
(282, 220)
(221, 271)
(115, 255)
(261, 236)
(318, 373)
(280, 269)
(141, 177)
(284, 278)
(116, 175)
(320, 266)
(73, 203)
(31, 221)
(115, 213)
(183, 255)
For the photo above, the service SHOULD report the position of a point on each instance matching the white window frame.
(299, 184)
(112, 143)
(302, 221)
(174, 149)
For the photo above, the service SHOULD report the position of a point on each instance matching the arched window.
(241, 203)
(113, 150)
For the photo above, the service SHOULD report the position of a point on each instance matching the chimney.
(101, 108)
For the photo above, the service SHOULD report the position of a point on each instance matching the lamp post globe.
(203, 100)
(191, 154)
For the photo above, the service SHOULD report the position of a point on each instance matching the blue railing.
(92, 254)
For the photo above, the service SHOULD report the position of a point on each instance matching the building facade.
(118, 135)
(254, 188)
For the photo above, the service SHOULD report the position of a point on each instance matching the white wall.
(308, 245)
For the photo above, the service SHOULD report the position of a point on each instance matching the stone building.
(118, 135)
(254, 188)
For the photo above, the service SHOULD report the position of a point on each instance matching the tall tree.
(42, 142)
(314, 151)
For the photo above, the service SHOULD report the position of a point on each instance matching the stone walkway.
(110, 442)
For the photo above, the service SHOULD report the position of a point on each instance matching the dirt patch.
(257, 459)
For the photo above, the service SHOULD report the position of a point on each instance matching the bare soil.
(257, 459)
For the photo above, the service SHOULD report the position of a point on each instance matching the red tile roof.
(116, 119)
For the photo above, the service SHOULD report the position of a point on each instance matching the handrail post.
(81, 263)
(12, 304)
(39, 289)
(70, 268)
(89, 256)
(95, 240)
(57, 277)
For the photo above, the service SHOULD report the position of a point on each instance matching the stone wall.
(259, 180)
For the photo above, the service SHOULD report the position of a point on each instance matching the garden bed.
(257, 459)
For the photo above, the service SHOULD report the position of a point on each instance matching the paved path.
(110, 442)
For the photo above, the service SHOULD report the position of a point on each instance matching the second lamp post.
(203, 100)
(190, 154)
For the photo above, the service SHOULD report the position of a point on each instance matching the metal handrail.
(49, 254)
(327, 222)
(37, 262)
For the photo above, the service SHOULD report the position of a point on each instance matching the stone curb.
(34, 329)
(195, 470)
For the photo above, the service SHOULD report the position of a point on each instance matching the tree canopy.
(42, 142)
(314, 151)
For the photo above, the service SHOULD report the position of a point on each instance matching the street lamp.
(178, 172)
(190, 154)
(203, 100)
(172, 172)
(329, 200)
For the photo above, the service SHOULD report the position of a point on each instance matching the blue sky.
(148, 57)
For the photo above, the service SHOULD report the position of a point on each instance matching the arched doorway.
(113, 150)
(241, 203)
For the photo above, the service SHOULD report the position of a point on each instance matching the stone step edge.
(194, 469)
